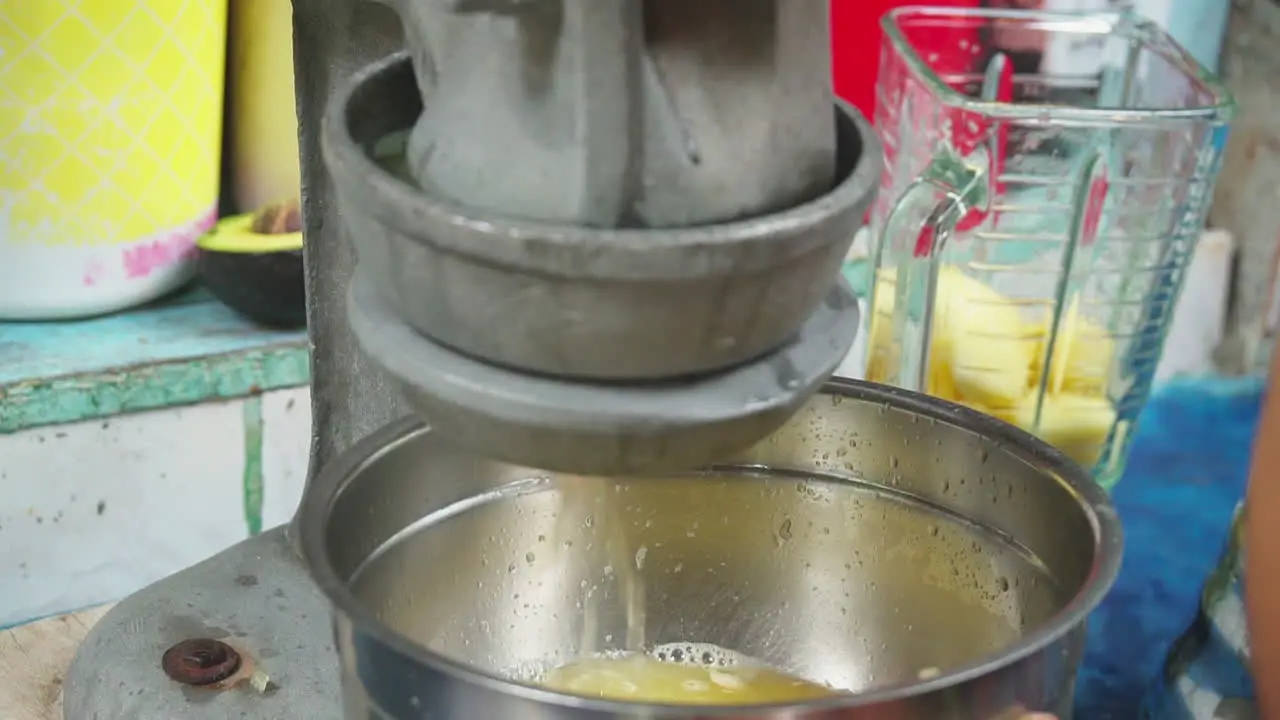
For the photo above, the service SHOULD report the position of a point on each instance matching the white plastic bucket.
(110, 144)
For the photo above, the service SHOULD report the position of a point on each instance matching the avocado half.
(253, 264)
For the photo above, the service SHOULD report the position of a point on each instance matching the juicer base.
(255, 596)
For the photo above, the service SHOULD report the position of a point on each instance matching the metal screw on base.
(199, 662)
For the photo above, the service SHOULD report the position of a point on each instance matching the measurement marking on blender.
(1039, 181)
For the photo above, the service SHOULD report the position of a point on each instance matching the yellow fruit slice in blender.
(980, 336)
(1008, 414)
(941, 383)
(1076, 424)
(882, 360)
(1082, 355)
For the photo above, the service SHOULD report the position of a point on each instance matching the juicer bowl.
(601, 428)
(589, 303)
(932, 561)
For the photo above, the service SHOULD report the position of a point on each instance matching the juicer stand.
(270, 650)
(257, 596)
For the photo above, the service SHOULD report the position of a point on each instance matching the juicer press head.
(258, 594)
(656, 312)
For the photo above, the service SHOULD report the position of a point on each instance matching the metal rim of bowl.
(1052, 464)
(551, 248)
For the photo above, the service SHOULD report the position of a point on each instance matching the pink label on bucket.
(165, 249)
(93, 273)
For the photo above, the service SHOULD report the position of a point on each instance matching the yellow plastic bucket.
(264, 132)
(110, 148)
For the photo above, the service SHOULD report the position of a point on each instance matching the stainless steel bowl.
(878, 535)
(581, 302)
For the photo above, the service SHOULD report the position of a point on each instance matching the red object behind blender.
(951, 49)
(856, 41)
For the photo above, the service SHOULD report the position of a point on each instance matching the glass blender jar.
(1046, 181)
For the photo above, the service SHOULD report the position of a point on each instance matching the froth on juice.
(682, 674)
(670, 674)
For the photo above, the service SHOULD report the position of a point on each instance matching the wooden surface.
(34, 660)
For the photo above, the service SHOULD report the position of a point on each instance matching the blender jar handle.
(915, 233)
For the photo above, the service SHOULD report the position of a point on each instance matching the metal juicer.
(554, 238)
(609, 244)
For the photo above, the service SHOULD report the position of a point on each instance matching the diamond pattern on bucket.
(110, 117)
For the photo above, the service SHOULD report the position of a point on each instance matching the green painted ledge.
(186, 350)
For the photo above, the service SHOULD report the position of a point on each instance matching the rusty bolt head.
(200, 662)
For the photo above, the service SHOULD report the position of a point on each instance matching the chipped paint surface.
(251, 477)
(186, 350)
(139, 444)
(168, 248)
(91, 511)
(51, 401)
